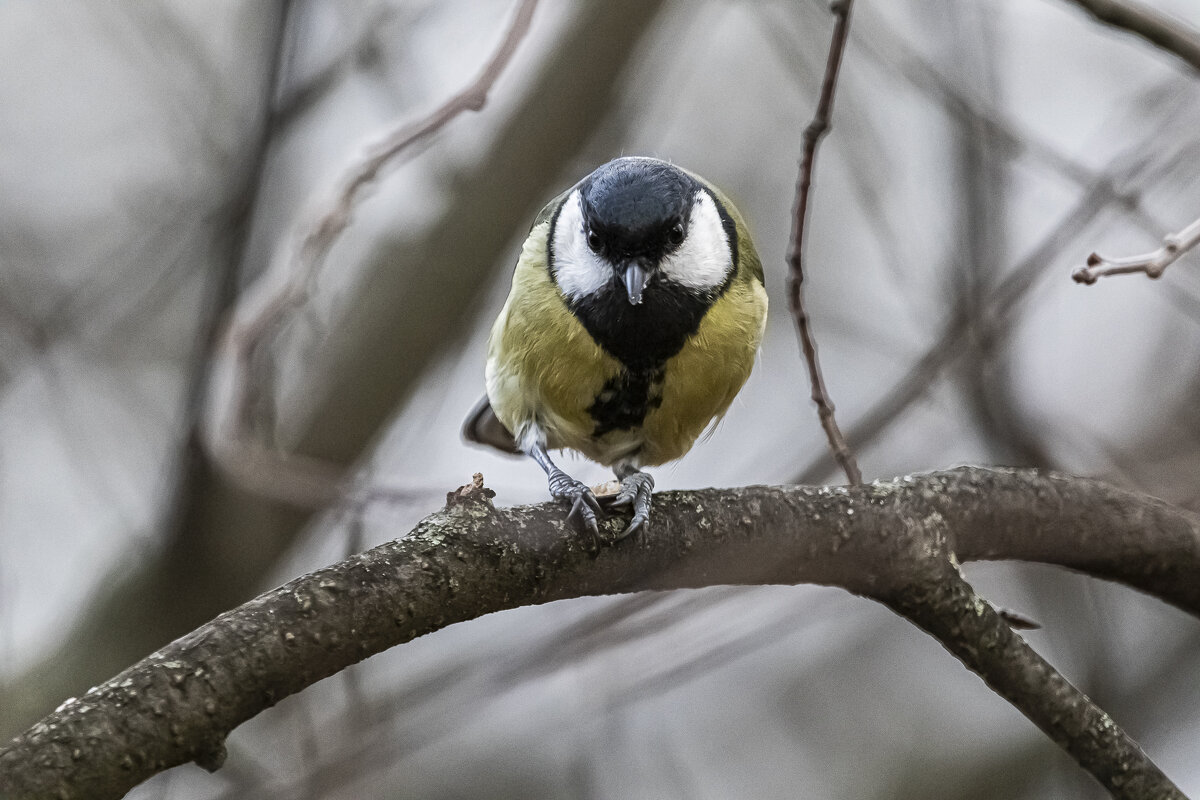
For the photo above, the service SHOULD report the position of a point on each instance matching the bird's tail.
(482, 426)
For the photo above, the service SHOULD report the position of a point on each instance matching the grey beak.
(636, 279)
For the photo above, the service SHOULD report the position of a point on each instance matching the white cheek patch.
(578, 271)
(703, 261)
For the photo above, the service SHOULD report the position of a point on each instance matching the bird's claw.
(585, 508)
(583, 512)
(636, 524)
(635, 492)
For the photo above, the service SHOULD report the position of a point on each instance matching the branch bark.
(896, 542)
(1164, 32)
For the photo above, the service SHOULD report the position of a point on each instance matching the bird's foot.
(636, 488)
(584, 505)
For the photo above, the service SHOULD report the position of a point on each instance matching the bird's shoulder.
(546, 215)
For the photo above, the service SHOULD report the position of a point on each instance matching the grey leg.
(584, 506)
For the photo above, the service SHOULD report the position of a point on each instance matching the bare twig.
(899, 546)
(816, 129)
(1162, 31)
(297, 479)
(1152, 263)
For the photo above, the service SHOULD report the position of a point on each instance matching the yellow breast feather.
(703, 378)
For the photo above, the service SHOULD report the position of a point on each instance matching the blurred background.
(156, 157)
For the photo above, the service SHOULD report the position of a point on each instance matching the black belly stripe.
(626, 399)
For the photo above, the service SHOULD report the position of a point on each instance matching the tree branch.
(1153, 263)
(895, 542)
(948, 609)
(813, 134)
(1157, 28)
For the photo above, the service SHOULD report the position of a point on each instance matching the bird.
(635, 316)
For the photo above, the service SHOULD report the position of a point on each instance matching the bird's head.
(640, 226)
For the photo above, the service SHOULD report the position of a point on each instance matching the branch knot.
(470, 494)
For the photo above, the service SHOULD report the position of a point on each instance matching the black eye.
(675, 235)
(594, 241)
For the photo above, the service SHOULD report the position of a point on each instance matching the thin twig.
(292, 478)
(1152, 263)
(812, 137)
(1163, 31)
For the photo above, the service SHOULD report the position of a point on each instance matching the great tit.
(636, 311)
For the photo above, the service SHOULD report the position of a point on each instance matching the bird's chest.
(607, 422)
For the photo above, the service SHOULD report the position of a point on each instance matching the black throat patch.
(644, 336)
